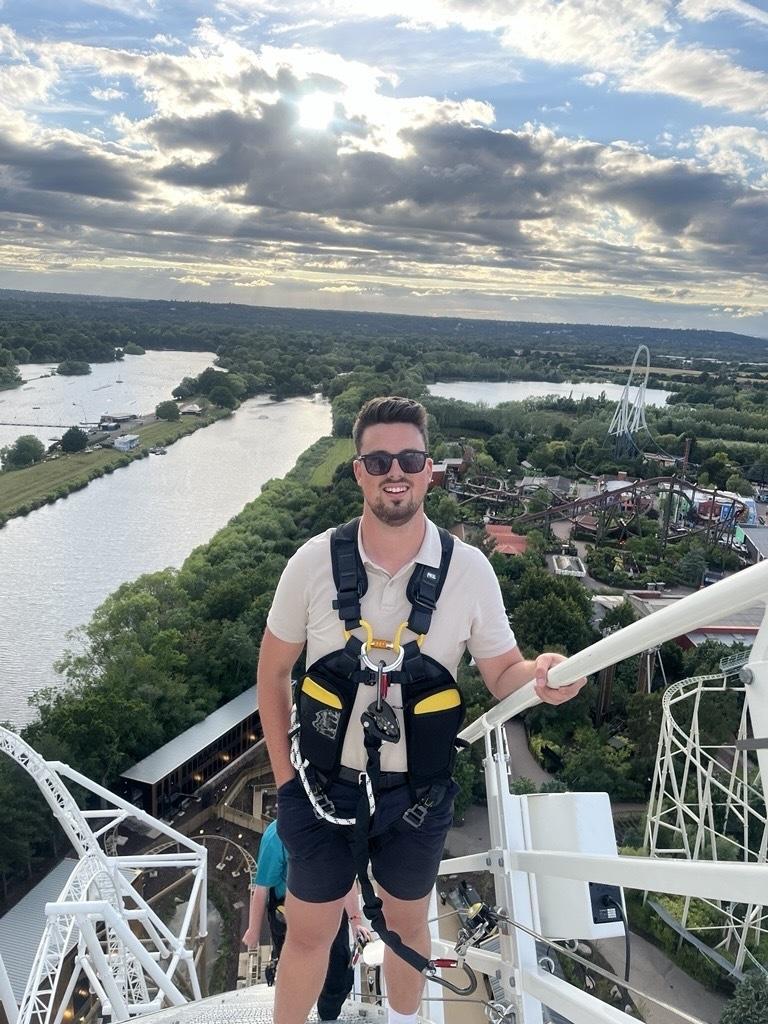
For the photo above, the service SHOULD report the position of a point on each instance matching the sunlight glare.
(317, 111)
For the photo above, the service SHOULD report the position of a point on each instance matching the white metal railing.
(516, 868)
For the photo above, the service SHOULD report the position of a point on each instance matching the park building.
(198, 758)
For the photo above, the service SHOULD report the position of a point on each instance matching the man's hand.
(360, 932)
(551, 694)
(251, 938)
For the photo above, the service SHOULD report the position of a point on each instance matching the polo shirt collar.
(430, 552)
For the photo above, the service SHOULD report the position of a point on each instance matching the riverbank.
(24, 490)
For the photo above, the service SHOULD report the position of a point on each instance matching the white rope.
(301, 765)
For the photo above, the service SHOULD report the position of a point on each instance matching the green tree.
(222, 396)
(167, 411)
(692, 567)
(74, 440)
(739, 485)
(25, 451)
(73, 368)
(750, 1001)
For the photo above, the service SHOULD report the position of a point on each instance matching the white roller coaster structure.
(131, 959)
(629, 417)
(707, 801)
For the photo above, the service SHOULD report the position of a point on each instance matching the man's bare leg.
(409, 919)
(312, 928)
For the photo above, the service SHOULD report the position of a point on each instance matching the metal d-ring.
(374, 665)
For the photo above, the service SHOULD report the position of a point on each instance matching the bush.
(74, 440)
(25, 451)
(167, 411)
(750, 1001)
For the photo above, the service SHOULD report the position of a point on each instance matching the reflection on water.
(60, 562)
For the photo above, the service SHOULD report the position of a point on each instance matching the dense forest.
(40, 327)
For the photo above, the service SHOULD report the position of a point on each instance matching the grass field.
(342, 450)
(39, 484)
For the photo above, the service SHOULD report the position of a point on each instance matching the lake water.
(136, 384)
(59, 563)
(494, 392)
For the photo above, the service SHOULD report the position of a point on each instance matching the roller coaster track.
(608, 500)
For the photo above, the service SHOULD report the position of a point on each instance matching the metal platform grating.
(254, 1006)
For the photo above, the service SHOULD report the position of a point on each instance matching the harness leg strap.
(372, 904)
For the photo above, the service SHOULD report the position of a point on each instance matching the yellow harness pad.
(438, 702)
(313, 689)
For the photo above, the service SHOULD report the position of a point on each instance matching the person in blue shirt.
(268, 892)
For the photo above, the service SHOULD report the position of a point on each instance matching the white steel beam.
(743, 883)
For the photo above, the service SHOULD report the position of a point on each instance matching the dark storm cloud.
(63, 167)
(672, 196)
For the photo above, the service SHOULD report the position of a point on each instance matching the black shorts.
(321, 866)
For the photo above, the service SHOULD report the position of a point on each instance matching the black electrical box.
(607, 907)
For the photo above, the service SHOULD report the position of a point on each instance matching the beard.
(393, 514)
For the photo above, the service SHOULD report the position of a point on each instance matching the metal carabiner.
(434, 965)
(374, 665)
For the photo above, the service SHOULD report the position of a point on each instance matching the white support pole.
(99, 963)
(7, 998)
(431, 1007)
(514, 888)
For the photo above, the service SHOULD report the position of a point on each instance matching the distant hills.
(20, 309)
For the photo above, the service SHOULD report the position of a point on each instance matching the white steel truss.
(629, 416)
(707, 802)
(519, 871)
(128, 956)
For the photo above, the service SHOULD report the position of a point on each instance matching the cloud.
(219, 186)
(635, 42)
(708, 77)
(107, 94)
(706, 10)
(202, 282)
(739, 151)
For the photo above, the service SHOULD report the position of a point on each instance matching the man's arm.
(255, 914)
(276, 659)
(507, 672)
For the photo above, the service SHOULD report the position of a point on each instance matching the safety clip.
(416, 815)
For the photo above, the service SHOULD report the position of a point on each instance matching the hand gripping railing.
(515, 867)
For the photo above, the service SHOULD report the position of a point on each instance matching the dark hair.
(390, 409)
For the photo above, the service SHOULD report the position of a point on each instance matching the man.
(463, 610)
(269, 893)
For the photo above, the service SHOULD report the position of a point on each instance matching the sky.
(600, 161)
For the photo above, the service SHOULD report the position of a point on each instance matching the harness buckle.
(323, 802)
(416, 815)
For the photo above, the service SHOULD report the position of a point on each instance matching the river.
(494, 392)
(60, 562)
(136, 384)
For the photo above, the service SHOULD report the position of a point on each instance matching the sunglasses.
(379, 463)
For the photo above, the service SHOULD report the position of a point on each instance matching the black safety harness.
(433, 711)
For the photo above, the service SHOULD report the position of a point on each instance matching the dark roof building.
(195, 757)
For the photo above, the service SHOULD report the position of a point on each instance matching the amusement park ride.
(552, 862)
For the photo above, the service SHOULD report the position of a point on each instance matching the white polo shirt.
(470, 615)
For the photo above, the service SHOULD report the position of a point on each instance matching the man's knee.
(407, 917)
(312, 926)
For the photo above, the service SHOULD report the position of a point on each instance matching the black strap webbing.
(351, 580)
(373, 907)
(349, 575)
(426, 585)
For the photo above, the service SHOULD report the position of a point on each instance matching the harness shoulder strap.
(426, 585)
(349, 574)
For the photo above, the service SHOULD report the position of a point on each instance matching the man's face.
(395, 497)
